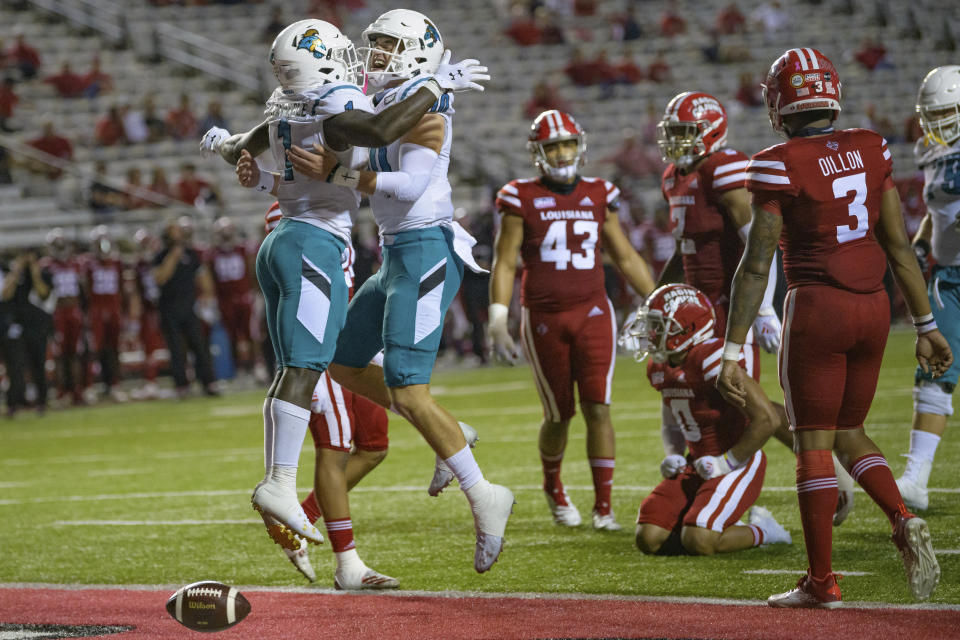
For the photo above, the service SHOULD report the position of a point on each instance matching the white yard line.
(800, 572)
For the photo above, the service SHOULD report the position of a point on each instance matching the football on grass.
(208, 606)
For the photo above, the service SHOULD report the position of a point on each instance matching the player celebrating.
(710, 210)
(827, 195)
(937, 153)
(401, 308)
(318, 101)
(697, 505)
(559, 223)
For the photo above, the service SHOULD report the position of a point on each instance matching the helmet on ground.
(551, 127)
(672, 320)
(800, 80)
(418, 49)
(693, 126)
(313, 52)
(938, 104)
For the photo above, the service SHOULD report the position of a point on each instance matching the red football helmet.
(674, 318)
(556, 126)
(694, 125)
(800, 80)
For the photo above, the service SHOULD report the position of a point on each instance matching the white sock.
(286, 477)
(290, 424)
(923, 444)
(464, 466)
(267, 435)
(349, 560)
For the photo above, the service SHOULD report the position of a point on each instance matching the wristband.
(266, 180)
(924, 324)
(343, 177)
(731, 351)
(433, 87)
(731, 460)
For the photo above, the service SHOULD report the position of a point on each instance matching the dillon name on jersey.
(297, 118)
(941, 194)
(435, 205)
(828, 190)
(710, 425)
(562, 239)
(709, 244)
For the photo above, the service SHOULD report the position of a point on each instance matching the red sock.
(551, 477)
(873, 474)
(340, 533)
(817, 494)
(602, 470)
(311, 507)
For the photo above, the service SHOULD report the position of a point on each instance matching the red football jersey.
(828, 190)
(105, 276)
(562, 239)
(147, 285)
(710, 425)
(229, 267)
(709, 244)
(66, 276)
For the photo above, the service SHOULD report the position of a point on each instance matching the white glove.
(462, 76)
(503, 346)
(211, 140)
(766, 329)
(627, 341)
(672, 465)
(712, 466)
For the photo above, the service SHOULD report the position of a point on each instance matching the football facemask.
(938, 105)
(551, 127)
(694, 125)
(417, 49)
(672, 320)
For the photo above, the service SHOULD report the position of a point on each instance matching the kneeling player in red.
(697, 507)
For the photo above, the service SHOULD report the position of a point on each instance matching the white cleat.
(605, 522)
(301, 560)
(442, 475)
(912, 537)
(845, 496)
(275, 502)
(565, 515)
(913, 484)
(490, 515)
(805, 596)
(773, 532)
(367, 579)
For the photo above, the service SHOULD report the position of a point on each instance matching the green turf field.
(158, 493)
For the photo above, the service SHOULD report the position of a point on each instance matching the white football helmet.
(418, 50)
(313, 52)
(938, 105)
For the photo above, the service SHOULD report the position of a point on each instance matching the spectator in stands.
(55, 145)
(26, 290)
(879, 123)
(579, 70)
(627, 70)
(633, 159)
(135, 128)
(914, 207)
(191, 188)
(550, 32)
(109, 130)
(103, 198)
(946, 41)
(156, 127)
(96, 81)
(522, 29)
(544, 98)
(273, 27)
(8, 102)
(67, 83)
(181, 122)
(584, 7)
(214, 117)
(159, 184)
(872, 55)
(730, 20)
(179, 272)
(135, 190)
(671, 22)
(659, 70)
(606, 75)
(24, 57)
(772, 18)
(626, 27)
(748, 92)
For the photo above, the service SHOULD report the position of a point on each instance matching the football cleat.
(565, 515)
(363, 580)
(281, 507)
(845, 497)
(913, 484)
(912, 537)
(810, 595)
(773, 532)
(442, 475)
(490, 515)
(301, 560)
(605, 522)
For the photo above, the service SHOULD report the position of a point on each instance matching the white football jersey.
(297, 118)
(435, 206)
(941, 193)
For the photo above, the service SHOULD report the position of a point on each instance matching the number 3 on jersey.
(842, 187)
(553, 247)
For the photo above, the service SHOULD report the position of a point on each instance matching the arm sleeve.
(673, 440)
(408, 184)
